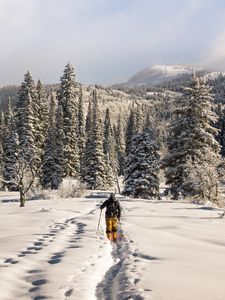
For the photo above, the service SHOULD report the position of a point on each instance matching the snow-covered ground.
(169, 250)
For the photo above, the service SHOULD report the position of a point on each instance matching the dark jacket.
(113, 209)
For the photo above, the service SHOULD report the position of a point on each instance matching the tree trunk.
(22, 197)
(158, 193)
(118, 184)
(217, 191)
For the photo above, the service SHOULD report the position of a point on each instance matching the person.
(112, 216)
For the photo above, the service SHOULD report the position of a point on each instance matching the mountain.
(158, 74)
(118, 102)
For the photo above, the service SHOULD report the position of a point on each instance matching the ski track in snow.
(119, 282)
(62, 259)
(48, 249)
(108, 273)
(52, 246)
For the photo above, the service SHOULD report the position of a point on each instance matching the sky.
(107, 41)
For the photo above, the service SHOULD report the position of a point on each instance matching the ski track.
(110, 273)
(33, 262)
(59, 264)
(58, 237)
(120, 281)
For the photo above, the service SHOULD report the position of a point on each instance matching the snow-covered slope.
(158, 74)
(169, 250)
(118, 102)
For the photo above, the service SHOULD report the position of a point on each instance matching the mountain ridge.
(158, 74)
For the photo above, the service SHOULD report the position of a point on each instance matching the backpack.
(111, 209)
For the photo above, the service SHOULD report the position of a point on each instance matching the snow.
(173, 69)
(169, 250)
(213, 75)
(157, 74)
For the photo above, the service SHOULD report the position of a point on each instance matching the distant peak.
(174, 69)
(160, 73)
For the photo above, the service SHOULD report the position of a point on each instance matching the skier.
(112, 216)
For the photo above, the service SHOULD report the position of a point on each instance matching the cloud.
(214, 58)
(106, 40)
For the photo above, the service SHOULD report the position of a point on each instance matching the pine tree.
(2, 125)
(108, 141)
(81, 125)
(139, 124)
(41, 117)
(48, 173)
(89, 120)
(52, 164)
(192, 145)
(59, 146)
(130, 131)
(2, 129)
(109, 149)
(110, 172)
(94, 171)
(87, 146)
(119, 146)
(221, 126)
(68, 100)
(25, 118)
(10, 149)
(1, 165)
(142, 167)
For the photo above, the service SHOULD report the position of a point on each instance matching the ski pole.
(99, 221)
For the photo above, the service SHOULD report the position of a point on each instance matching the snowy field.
(169, 250)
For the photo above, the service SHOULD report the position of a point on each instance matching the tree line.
(44, 141)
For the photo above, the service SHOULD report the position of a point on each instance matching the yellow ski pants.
(111, 225)
(111, 228)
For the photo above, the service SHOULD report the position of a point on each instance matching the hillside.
(119, 102)
(161, 76)
(157, 74)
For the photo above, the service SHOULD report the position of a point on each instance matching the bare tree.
(202, 181)
(25, 177)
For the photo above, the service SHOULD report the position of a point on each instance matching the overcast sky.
(107, 41)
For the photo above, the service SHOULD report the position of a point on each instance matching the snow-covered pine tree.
(119, 145)
(1, 165)
(108, 140)
(204, 149)
(68, 100)
(52, 162)
(2, 125)
(10, 149)
(81, 124)
(88, 122)
(130, 131)
(25, 118)
(59, 146)
(41, 117)
(87, 146)
(109, 149)
(221, 126)
(175, 159)
(192, 145)
(107, 133)
(94, 170)
(139, 116)
(142, 167)
(48, 173)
